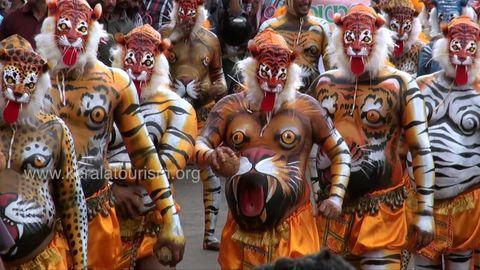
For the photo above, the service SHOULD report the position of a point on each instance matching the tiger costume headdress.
(24, 80)
(70, 35)
(141, 54)
(364, 41)
(458, 52)
(402, 18)
(271, 76)
(188, 15)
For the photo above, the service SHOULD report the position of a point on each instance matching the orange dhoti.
(457, 225)
(54, 257)
(295, 237)
(355, 234)
(104, 242)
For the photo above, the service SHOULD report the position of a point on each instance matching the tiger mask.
(402, 18)
(443, 11)
(272, 78)
(141, 54)
(25, 80)
(458, 52)
(187, 16)
(70, 35)
(366, 44)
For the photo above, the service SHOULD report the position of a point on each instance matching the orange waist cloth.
(354, 235)
(54, 257)
(295, 237)
(104, 242)
(457, 225)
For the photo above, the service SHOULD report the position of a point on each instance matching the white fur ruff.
(48, 48)
(160, 77)
(441, 55)
(378, 57)
(249, 66)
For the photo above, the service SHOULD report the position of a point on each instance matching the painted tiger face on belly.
(367, 121)
(270, 181)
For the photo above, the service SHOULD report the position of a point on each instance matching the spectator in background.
(25, 21)
(157, 13)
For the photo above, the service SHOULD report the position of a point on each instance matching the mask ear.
(52, 7)
(44, 66)
(379, 21)
(97, 12)
(164, 45)
(444, 29)
(338, 19)
(3, 55)
(252, 48)
(120, 38)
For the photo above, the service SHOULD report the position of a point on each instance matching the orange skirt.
(351, 234)
(104, 242)
(54, 257)
(295, 237)
(457, 225)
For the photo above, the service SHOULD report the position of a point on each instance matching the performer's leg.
(211, 201)
(423, 263)
(459, 260)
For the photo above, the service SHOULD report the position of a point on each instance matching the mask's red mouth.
(399, 47)
(11, 112)
(251, 199)
(268, 102)
(70, 56)
(357, 65)
(461, 75)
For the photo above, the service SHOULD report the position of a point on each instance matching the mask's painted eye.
(366, 37)
(407, 26)
(64, 24)
(82, 28)
(30, 85)
(180, 11)
(264, 71)
(455, 46)
(472, 47)
(130, 58)
(9, 79)
(191, 13)
(394, 25)
(148, 60)
(282, 74)
(440, 16)
(348, 37)
(238, 139)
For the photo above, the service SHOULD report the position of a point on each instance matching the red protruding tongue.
(70, 56)
(252, 200)
(268, 101)
(461, 78)
(11, 112)
(139, 88)
(398, 48)
(357, 65)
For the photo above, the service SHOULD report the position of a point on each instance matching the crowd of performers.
(359, 138)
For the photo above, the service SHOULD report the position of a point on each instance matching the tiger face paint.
(273, 63)
(359, 28)
(73, 20)
(463, 35)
